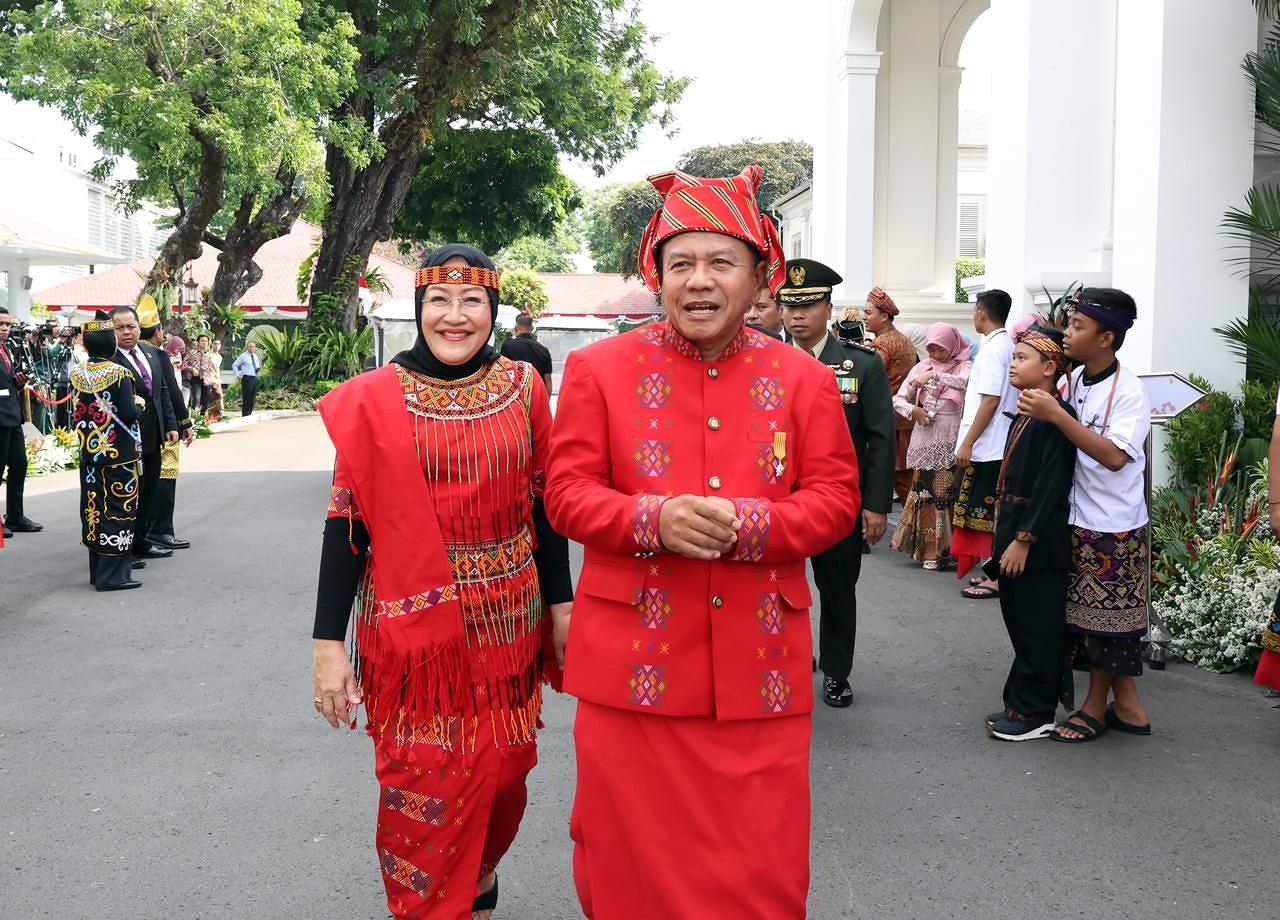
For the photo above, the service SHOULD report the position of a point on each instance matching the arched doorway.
(889, 164)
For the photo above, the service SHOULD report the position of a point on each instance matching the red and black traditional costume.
(694, 677)
(433, 514)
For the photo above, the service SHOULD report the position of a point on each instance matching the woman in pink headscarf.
(932, 396)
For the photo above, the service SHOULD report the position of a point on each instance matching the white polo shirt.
(990, 377)
(1102, 500)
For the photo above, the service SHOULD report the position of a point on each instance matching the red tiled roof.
(280, 260)
(602, 295)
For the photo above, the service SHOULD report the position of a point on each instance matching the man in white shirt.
(1107, 591)
(989, 403)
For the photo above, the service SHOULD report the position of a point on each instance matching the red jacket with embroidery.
(642, 418)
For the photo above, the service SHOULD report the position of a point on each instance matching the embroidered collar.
(673, 339)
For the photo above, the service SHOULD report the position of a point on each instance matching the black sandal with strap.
(488, 900)
(1089, 730)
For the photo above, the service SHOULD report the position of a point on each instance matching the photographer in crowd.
(13, 450)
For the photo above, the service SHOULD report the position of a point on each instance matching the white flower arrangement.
(51, 456)
(1218, 604)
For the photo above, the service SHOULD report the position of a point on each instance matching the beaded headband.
(456, 274)
(97, 325)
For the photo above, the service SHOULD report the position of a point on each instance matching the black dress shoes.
(137, 564)
(22, 525)
(123, 586)
(7, 532)
(167, 541)
(148, 551)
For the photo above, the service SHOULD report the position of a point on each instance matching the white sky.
(758, 71)
(754, 70)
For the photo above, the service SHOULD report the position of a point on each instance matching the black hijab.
(420, 358)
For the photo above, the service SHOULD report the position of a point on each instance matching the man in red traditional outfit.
(700, 463)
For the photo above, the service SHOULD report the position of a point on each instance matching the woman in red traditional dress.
(437, 539)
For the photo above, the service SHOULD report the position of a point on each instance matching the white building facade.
(1119, 133)
(45, 184)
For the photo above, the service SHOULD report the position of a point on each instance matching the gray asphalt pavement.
(160, 758)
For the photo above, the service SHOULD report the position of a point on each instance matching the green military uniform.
(868, 409)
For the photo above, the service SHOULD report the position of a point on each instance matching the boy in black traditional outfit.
(1033, 545)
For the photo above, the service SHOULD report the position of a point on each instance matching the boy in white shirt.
(1107, 592)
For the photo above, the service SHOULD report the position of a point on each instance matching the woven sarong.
(1107, 594)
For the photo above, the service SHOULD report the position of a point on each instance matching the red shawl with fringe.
(436, 654)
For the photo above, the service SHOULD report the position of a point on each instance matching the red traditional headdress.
(728, 206)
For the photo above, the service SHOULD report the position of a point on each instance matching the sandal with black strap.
(1120, 725)
(980, 592)
(488, 900)
(1088, 727)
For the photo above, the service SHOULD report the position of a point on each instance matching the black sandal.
(488, 900)
(1120, 725)
(1090, 729)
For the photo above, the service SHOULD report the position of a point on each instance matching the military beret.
(807, 282)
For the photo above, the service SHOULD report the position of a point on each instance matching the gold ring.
(318, 701)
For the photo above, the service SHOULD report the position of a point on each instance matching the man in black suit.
(13, 449)
(159, 530)
(158, 423)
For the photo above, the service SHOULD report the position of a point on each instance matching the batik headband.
(1108, 316)
(1047, 345)
(456, 274)
(97, 325)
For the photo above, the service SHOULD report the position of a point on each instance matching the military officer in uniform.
(805, 299)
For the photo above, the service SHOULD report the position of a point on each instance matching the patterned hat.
(882, 301)
(728, 206)
(148, 312)
(97, 325)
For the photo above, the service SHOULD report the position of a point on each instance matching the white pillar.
(947, 180)
(848, 198)
(1051, 139)
(1184, 155)
(910, 145)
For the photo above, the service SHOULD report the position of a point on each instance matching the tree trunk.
(248, 233)
(183, 244)
(365, 201)
(364, 204)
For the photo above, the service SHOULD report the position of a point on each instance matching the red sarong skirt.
(679, 818)
(444, 823)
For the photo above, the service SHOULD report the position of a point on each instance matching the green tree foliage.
(787, 165)
(487, 187)
(615, 220)
(576, 70)
(525, 291)
(215, 101)
(553, 253)
(617, 214)
(967, 268)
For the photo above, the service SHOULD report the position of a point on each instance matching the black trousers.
(1035, 613)
(836, 572)
(147, 505)
(199, 396)
(166, 497)
(248, 393)
(108, 570)
(13, 470)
